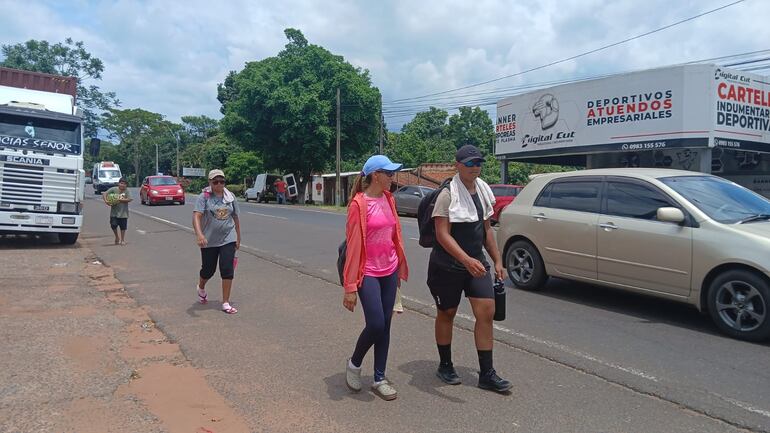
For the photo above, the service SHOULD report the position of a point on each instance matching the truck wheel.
(68, 238)
(525, 266)
(737, 302)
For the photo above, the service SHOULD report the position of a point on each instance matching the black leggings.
(226, 256)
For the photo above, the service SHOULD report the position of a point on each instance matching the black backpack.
(342, 250)
(425, 216)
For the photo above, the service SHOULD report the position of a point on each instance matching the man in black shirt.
(457, 263)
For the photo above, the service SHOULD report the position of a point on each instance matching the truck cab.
(41, 155)
(105, 175)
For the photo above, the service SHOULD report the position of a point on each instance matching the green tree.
(284, 107)
(471, 126)
(69, 59)
(210, 154)
(411, 150)
(200, 128)
(241, 165)
(427, 125)
(138, 132)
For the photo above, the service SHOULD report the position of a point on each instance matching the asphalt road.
(650, 346)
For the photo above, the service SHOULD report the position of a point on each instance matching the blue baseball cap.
(380, 162)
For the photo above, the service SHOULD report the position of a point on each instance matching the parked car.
(161, 189)
(263, 189)
(408, 198)
(504, 195)
(685, 236)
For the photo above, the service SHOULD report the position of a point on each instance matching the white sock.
(201, 291)
(350, 364)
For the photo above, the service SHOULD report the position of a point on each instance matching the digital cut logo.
(547, 110)
(30, 130)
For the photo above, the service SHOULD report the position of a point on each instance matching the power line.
(562, 81)
(492, 97)
(556, 62)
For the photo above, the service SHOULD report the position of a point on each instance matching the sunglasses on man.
(473, 163)
(218, 182)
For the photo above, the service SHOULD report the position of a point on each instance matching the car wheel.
(525, 266)
(738, 302)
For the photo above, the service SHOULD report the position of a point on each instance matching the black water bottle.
(499, 301)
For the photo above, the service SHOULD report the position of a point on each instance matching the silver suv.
(686, 236)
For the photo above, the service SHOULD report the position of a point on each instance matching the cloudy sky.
(168, 56)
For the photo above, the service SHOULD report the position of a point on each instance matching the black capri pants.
(226, 256)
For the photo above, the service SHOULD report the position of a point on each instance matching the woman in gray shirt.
(218, 229)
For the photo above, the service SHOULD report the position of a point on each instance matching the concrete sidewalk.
(79, 355)
(279, 362)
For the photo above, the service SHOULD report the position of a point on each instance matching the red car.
(161, 189)
(504, 195)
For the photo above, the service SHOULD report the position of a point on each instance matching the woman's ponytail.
(359, 185)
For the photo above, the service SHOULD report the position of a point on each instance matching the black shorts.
(116, 222)
(446, 286)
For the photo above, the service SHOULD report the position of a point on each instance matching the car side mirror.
(95, 146)
(670, 214)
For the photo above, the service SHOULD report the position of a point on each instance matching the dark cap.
(467, 153)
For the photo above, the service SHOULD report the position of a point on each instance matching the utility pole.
(338, 196)
(156, 158)
(381, 122)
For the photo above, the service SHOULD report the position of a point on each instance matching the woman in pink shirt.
(374, 265)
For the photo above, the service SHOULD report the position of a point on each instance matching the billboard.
(674, 107)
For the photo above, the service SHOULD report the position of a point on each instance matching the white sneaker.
(352, 376)
(385, 390)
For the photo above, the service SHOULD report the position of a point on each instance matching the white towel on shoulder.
(461, 207)
(228, 197)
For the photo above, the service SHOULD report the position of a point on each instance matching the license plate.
(41, 207)
(169, 198)
(43, 220)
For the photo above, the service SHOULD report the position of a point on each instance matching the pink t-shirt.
(381, 256)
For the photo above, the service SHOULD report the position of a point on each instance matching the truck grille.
(21, 186)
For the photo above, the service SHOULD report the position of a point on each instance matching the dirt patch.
(180, 397)
(162, 380)
(89, 353)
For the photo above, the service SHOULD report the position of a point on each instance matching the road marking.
(141, 232)
(269, 216)
(408, 222)
(746, 406)
(415, 239)
(550, 344)
(164, 221)
(547, 343)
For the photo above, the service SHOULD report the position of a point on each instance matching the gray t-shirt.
(119, 210)
(217, 221)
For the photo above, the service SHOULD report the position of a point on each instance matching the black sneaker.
(448, 375)
(491, 381)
